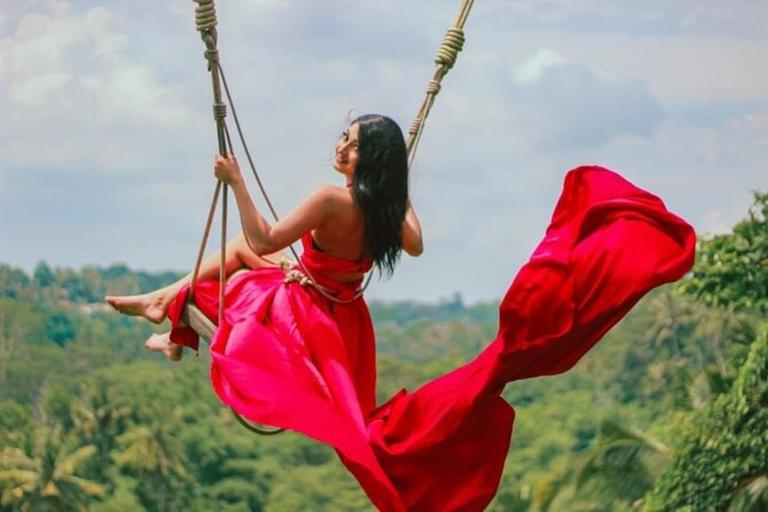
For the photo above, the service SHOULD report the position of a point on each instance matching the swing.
(205, 21)
(290, 357)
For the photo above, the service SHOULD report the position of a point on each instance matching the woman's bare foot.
(152, 306)
(162, 343)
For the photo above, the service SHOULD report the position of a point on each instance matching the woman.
(370, 218)
(287, 355)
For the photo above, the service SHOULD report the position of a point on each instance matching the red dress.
(287, 356)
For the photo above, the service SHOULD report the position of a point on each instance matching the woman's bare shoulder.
(332, 196)
(332, 190)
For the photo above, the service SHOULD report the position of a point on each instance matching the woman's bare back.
(343, 235)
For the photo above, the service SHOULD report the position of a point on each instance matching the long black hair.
(380, 187)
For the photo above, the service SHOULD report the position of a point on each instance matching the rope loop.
(414, 129)
(212, 56)
(205, 15)
(296, 276)
(449, 50)
(433, 87)
(205, 20)
(219, 111)
(302, 276)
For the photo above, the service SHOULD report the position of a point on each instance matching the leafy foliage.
(732, 269)
(47, 478)
(88, 419)
(727, 446)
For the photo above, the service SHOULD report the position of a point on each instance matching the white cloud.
(72, 85)
(571, 106)
(703, 173)
(58, 7)
(131, 93)
(34, 90)
(704, 18)
(540, 88)
(532, 69)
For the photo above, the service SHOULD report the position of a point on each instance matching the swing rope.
(449, 50)
(206, 22)
(205, 17)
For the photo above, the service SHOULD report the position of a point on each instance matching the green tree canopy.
(732, 269)
(726, 446)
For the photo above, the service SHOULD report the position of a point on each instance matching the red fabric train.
(286, 356)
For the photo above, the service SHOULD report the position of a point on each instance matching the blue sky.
(107, 142)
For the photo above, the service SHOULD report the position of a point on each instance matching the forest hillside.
(668, 412)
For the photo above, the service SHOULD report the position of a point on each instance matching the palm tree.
(719, 328)
(619, 469)
(716, 331)
(48, 478)
(625, 462)
(710, 333)
(16, 323)
(98, 419)
(154, 454)
(672, 321)
(751, 496)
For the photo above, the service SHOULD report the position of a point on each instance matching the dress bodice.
(322, 265)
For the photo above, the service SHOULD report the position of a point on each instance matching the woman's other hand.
(227, 170)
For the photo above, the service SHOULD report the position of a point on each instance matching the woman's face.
(346, 157)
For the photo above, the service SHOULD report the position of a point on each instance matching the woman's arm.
(412, 241)
(262, 237)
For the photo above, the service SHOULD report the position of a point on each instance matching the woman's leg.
(154, 305)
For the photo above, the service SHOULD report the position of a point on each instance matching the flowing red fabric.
(287, 356)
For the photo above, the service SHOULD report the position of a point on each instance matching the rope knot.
(433, 87)
(212, 56)
(449, 50)
(414, 129)
(296, 276)
(219, 111)
(205, 15)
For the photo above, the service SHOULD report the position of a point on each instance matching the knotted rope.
(296, 276)
(205, 21)
(449, 50)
